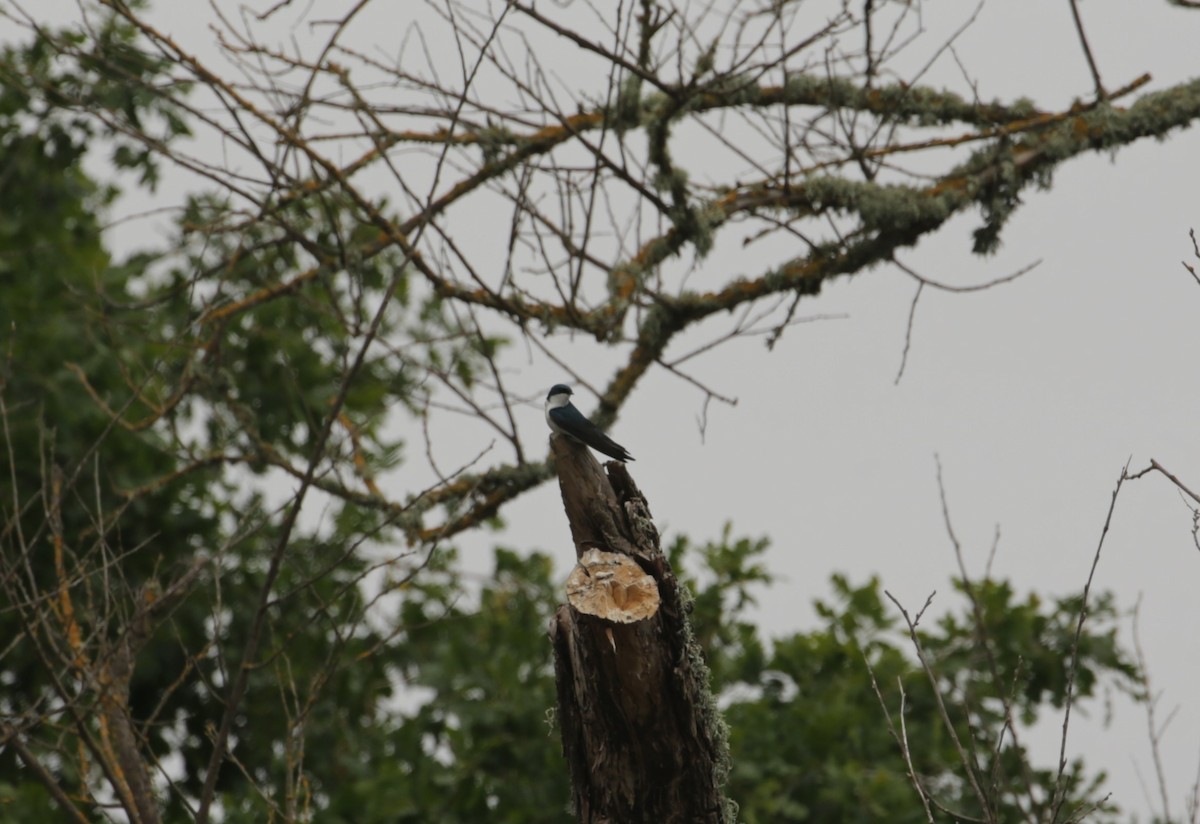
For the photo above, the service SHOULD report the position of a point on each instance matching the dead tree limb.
(640, 730)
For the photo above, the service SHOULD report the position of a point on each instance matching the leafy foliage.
(809, 739)
(474, 741)
(116, 483)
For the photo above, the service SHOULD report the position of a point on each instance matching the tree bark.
(640, 730)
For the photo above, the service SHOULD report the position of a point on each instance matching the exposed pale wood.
(612, 586)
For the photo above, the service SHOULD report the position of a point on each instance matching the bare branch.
(966, 761)
(1059, 787)
(1154, 730)
(1087, 50)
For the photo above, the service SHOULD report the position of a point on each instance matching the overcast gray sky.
(1034, 393)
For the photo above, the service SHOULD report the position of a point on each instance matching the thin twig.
(1060, 789)
(984, 802)
(901, 736)
(977, 287)
(1153, 730)
(984, 641)
(1196, 252)
(12, 738)
(912, 774)
(912, 313)
(1156, 466)
(1087, 51)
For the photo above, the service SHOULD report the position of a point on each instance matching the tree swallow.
(565, 419)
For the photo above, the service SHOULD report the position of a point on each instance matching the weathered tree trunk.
(640, 731)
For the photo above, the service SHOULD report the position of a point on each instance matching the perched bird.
(565, 419)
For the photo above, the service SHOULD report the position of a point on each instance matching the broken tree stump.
(641, 733)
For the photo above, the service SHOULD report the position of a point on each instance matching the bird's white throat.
(554, 402)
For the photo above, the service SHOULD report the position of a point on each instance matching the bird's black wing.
(571, 420)
(611, 448)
